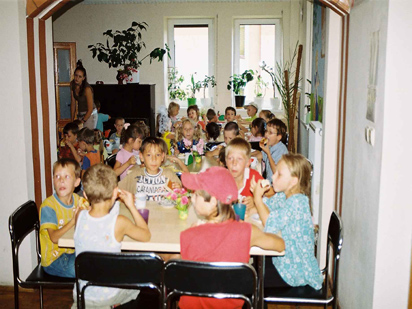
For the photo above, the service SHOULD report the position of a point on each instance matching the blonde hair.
(224, 211)
(239, 144)
(172, 106)
(300, 168)
(196, 134)
(64, 162)
(99, 181)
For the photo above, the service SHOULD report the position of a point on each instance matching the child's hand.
(132, 160)
(81, 152)
(238, 117)
(176, 150)
(258, 191)
(127, 198)
(248, 201)
(176, 185)
(264, 147)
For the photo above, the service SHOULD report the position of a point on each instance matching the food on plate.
(265, 183)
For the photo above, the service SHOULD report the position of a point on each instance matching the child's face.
(229, 135)
(174, 112)
(251, 111)
(152, 157)
(137, 143)
(230, 115)
(272, 136)
(72, 138)
(192, 115)
(119, 124)
(188, 131)
(236, 162)
(254, 131)
(65, 181)
(283, 181)
(83, 145)
(202, 208)
(80, 126)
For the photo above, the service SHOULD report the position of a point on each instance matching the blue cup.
(240, 210)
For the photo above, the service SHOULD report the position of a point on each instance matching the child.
(275, 148)
(220, 238)
(78, 123)
(141, 124)
(167, 122)
(100, 117)
(288, 212)
(258, 130)
(251, 110)
(68, 146)
(98, 145)
(188, 136)
(211, 115)
(151, 179)
(237, 158)
(132, 139)
(193, 114)
(115, 137)
(230, 131)
(86, 145)
(212, 132)
(102, 229)
(56, 213)
(267, 115)
(230, 114)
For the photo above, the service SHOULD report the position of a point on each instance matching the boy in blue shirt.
(100, 117)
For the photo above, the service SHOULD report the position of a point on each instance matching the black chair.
(111, 160)
(255, 146)
(306, 294)
(22, 222)
(215, 280)
(120, 270)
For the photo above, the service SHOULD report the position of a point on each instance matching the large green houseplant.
(124, 49)
(237, 84)
(175, 81)
(193, 87)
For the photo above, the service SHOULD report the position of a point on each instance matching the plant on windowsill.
(175, 92)
(124, 50)
(193, 87)
(260, 90)
(209, 81)
(237, 84)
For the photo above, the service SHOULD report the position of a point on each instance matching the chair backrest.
(131, 271)
(111, 160)
(218, 279)
(22, 222)
(335, 240)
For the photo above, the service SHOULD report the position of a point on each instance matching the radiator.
(315, 156)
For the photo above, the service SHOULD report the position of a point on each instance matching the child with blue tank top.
(288, 212)
(102, 229)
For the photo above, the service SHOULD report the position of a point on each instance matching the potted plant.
(208, 81)
(175, 92)
(237, 84)
(260, 90)
(124, 51)
(193, 87)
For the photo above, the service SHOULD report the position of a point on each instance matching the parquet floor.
(63, 299)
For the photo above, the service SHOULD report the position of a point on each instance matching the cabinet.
(131, 101)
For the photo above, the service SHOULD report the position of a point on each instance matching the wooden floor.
(63, 299)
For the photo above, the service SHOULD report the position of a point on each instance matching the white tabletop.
(165, 227)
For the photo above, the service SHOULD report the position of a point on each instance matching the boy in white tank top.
(102, 229)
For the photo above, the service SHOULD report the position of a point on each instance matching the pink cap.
(217, 181)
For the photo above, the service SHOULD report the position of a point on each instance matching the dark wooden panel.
(130, 101)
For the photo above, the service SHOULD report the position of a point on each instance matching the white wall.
(375, 262)
(16, 183)
(71, 27)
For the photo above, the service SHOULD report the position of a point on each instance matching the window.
(191, 43)
(257, 40)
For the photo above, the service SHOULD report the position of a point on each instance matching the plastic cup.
(140, 200)
(240, 210)
(237, 217)
(145, 214)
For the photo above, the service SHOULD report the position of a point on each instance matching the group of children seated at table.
(282, 207)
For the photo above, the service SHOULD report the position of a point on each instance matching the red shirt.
(66, 152)
(228, 241)
(248, 175)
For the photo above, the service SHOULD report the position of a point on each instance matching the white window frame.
(257, 21)
(210, 22)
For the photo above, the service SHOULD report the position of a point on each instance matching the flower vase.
(183, 214)
(119, 77)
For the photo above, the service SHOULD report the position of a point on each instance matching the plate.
(167, 203)
(181, 156)
(255, 217)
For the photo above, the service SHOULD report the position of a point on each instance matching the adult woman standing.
(82, 93)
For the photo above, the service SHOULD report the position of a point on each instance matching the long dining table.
(165, 227)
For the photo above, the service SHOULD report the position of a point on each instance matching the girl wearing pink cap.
(220, 238)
